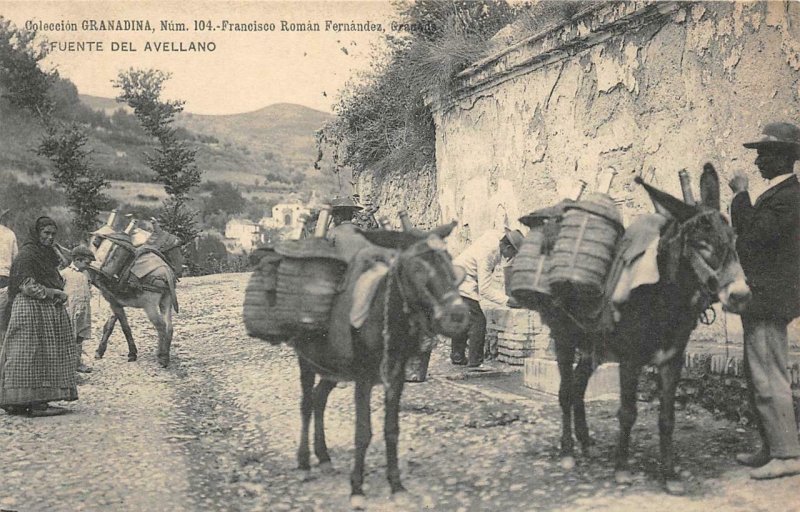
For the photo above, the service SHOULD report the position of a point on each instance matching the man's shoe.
(754, 460)
(84, 369)
(462, 361)
(777, 468)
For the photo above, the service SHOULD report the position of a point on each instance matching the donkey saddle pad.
(364, 274)
(637, 256)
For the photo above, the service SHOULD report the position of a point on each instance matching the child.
(79, 292)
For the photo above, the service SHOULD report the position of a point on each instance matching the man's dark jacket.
(768, 243)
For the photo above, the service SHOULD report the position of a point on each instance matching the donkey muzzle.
(736, 296)
(451, 316)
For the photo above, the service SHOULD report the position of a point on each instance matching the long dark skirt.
(38, 358)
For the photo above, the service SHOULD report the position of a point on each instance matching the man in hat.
(768, 244)
(8, 251)
(479, 261)
(343, 232)
(79, 296)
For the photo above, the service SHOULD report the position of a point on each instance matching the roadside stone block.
(542, 375)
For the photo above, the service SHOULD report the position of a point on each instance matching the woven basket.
(528, 283)
(113, 255)
(260, 297)
(309, 279)
(584, 250)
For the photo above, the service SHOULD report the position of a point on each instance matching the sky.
(247, 70)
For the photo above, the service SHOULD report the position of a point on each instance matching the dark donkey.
(698, 265)
(417, 296)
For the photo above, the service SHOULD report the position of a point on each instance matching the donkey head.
(700, 239)
(426, 277)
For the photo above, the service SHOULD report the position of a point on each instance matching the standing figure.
(79, 292)
(768, 244)
(478, 262)
(37, 362)
(8, 251)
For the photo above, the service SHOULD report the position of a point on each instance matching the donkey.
(416, 297)
(157, 302)
(698, 265)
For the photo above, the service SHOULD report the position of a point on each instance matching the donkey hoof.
(305, 475)
(623, 477)
(590, 450)
(675, 487)
(358, 502)
(568, 463)
(327, 468)
(98, 355)
(403, 500)
(163, 361)
(132, 358)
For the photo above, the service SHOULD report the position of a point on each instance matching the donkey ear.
(444, 230)
(390, 239)
(668, 203)
(709, 187)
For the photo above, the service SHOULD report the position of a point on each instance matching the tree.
(22, 81)
(174, 160)
(26, 86)
(64, 145)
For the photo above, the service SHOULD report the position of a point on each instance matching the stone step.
(542, 375)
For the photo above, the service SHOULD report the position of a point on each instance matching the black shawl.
(36, 261)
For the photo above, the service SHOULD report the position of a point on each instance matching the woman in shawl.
(37, 361)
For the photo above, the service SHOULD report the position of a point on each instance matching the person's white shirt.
(8, 250)
(479, 261)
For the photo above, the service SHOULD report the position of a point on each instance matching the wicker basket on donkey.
(310, 276)
(260, 298)
(584, 251)
(527, 280)
(113, 255)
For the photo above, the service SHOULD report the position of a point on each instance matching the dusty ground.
(218, 430)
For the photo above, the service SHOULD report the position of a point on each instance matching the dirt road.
(218, 430)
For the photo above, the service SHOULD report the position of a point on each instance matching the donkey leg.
(126, 330)
(153, 312)
(108, 328)
(565, 355)
(306, 407)
(363, 437)
(391, 426)
(583, 371)
(628, 382)
(670, 374)
(321, 392)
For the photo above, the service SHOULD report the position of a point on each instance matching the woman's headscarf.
(36, 261)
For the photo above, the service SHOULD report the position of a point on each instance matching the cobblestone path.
(218, 430)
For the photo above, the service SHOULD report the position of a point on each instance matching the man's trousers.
(766, 354)
(476, 334)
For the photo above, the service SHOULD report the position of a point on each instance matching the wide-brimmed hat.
(81, 251)
(344, 203)
(778, 136)
(514, 237)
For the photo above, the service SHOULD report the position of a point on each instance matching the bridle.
(419, 321)
(711, 280)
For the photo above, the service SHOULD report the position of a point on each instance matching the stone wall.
(645, 88)
(641, 87)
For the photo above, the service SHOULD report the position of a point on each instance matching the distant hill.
(282, 128)
(276, 141)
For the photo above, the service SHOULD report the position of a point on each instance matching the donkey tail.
(172, 293)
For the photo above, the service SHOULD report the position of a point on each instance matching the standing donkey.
(156, 296)
(698, 265)
(418, 296)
